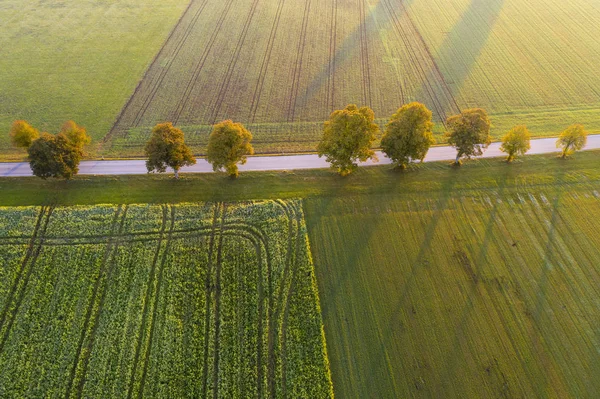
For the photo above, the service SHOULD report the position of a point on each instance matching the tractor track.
(141, 112)
(298, 64)
(216, 344)
(142, 330)
(105, 269)
(113, 129)
(364, 55)
(330, 102)
(265, 63)
(31, 257)
(233, 63)
(183, 101)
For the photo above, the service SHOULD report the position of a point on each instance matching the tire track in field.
(183, 101)
(293, 237)
(164, 71)
(414, 61)
(330, 103)
(364, 55)
(30, 259)
(142, 330)
(233, 63)
(436, 68)
(154, 315)
(83, 355)
(114, 128)
(298, 64)
(265, 63)
(218, 306)
(208, 290)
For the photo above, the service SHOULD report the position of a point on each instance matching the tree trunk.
(176, 173)
(457, 161)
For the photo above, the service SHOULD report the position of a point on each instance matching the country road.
(273, 163)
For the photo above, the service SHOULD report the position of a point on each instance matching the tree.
(408, 134)
(77, 135)
(469, 133)
(347, 138)
(516, 142)
(22, 134)
(571, 140)
(54, 156)
(228, 145)
(166, 148)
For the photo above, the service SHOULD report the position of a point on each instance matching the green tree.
(571, 140)
(22, 134)
(77, 135)
(469, 133)
(228, 145)
(348, 137)
(167, 148)
(516, 142)
(408, 134)
(54, 156)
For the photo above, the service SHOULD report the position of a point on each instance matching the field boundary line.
(265, 63)
(222, 93)
(112, 130)
(182, 103)
(364, 54)
(154, 314)
(208, 289)
(105, 269)
(21, 293)
(166, 70)
(298, 64)
(142, 330)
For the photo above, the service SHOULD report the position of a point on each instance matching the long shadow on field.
(379, 360)
(354, 248)
(344, 52)
(461, 48)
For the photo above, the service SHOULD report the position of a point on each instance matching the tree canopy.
(516, 142)
(408, 134)
(574, 138)
(469, 133)
(22, 134)
(348, 137)
(54, 156)
(167, 148)
(229, 145)
(77, 135)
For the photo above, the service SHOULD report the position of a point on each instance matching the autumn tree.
(408, 134)
(516, 142)
(348, 137)
(571, 140)
(229, 145)
(54, 156)
(469, 133)
(22, 134)
(167, 148)
(77, 135)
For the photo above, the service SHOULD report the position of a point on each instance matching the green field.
(281, 66)
(171, 301)
(75, 59)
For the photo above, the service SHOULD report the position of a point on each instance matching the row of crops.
(192, 300)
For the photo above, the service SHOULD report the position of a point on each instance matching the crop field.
(74, 59)
(281, 66)
(188, 300)
(461, 293)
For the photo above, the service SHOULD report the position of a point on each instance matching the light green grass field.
(73, 59)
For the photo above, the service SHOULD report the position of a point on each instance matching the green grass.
(185, 301)
(73, 59)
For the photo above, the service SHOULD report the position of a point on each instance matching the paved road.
(285, 162)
